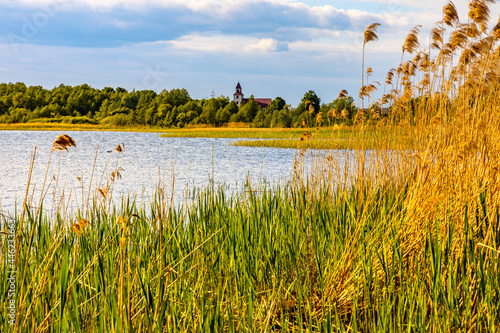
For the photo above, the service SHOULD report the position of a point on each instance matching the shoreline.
(335, 137)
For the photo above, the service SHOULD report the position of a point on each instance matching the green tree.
(277, 104)
(210, 108)
(250, 109)
(282, 118)
(232, 108)
(192, 110)
(307, 109)
(262, 119)
(224, 114)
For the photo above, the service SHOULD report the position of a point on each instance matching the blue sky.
(273, 47)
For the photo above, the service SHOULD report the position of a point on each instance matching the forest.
(174, 108)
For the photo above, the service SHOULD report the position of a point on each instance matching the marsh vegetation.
(396, 240)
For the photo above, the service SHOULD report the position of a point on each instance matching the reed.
(383, 240)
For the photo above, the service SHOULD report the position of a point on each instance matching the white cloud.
(210, 43)
(198, 42)
(218, 43)
(267, 45)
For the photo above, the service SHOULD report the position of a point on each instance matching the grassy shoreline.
(290, 258)
(76, 127)
(337, 137)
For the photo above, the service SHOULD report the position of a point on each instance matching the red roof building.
(238, 97)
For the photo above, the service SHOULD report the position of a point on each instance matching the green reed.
(300, 256)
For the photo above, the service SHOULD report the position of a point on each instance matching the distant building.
(384, 111)
(238, 97)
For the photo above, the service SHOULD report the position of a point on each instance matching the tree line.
(84, 104)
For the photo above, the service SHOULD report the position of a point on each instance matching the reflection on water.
(147, 159)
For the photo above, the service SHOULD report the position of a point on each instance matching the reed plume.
(450, 14)
(479, 12)
(367, 91)
(343, 93)
(80, 226)
(63, 142)
(120, 148)
(437, 40)
(369, 35)
(390, 76)
(116, 174)
(345, 114)
(305, 136)
(411, 42)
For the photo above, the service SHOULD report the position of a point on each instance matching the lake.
(147, 159)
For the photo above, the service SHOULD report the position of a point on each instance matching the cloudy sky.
(273, 47)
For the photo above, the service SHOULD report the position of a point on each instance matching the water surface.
(147, 159)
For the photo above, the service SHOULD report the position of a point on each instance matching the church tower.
(238, 95)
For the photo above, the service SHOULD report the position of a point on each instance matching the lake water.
(147, 159)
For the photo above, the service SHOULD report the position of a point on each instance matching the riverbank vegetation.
(335, 137)
(85, 105)
(34, 126)
(382, 240)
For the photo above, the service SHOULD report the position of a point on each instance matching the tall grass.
(387, 240)
(341, 249)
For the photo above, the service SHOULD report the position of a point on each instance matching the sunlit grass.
(251, 133)
(386, 240)
(75, 127)
(313, 254)
(337, 137)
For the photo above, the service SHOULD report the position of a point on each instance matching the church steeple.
(238, 95)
